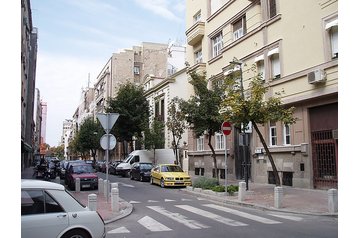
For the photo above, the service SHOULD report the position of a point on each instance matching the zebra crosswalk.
(208, 213)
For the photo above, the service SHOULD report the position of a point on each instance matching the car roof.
(40, 184)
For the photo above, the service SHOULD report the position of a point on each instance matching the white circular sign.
(104, 141)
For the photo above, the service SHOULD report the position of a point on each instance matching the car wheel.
(162, 183)
(131, 176)
(76, 234)
(151, 180)
(141, 178)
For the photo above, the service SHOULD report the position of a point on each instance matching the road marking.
(152, 224)
(152, 201)
(133, 202)
(119, 230)
(293, 218)
(243, 214)
(200, 199)
(169, 200)
(179, 218)
(126, 185)
(212, 216)
(186, 199)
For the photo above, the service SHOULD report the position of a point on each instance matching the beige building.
(294, 45)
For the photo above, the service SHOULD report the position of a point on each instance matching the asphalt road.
(172, 213)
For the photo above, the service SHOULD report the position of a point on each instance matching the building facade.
(28, 76)
(296, 52)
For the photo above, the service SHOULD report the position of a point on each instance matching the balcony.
(199, 68)
(195, 33)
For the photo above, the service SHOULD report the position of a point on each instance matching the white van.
(162, 156)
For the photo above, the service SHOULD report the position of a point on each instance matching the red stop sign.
(226, 128)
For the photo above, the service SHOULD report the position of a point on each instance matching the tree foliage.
(133, 109)
(154, 136)
(176, 124)
(202, 109)
(250, 105)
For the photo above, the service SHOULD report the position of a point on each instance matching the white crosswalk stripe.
(119, 230)
(178, 217)
(224, 220)
(292, 218)
(152, 224)
(242, 214)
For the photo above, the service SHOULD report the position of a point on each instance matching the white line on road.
(293, 218)
(134, 202)
(152, 224)
(212, 216)
(179, 218)
(243, 214)
(119, 230)
(169, 200)
(126, 185)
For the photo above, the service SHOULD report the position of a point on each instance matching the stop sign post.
(226, 129)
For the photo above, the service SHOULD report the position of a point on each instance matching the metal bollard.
(242, 191)
(115, 199)
(332, 200)
(78, 184)
(100, 185)
(278, 197)
(92, 202)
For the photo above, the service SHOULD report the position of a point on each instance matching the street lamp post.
(237, 62)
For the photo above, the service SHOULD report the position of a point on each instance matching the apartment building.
(294, 46)
(38, 122)
(28, 76)
(66, 136)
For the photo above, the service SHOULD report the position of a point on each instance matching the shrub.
(205, 183)
(219, 188)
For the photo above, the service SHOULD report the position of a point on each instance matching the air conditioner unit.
(316, 76)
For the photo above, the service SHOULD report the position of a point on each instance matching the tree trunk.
(275, 173)
(214, 158)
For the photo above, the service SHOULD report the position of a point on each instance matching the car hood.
(175, 174)
(84, 175)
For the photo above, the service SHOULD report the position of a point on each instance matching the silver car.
(49, 210)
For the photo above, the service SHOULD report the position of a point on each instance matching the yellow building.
(294, 44)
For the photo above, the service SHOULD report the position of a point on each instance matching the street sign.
(226, 128)
(107, 120)
(104, 142)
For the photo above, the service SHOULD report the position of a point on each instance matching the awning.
(259, 58)
(331, 24)
(272, 52)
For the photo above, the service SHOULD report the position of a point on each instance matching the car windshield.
(127, 158)
(146, 166)
(171, 168)
(82, 169)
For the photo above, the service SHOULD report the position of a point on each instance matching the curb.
(123, 213)
(257, 206)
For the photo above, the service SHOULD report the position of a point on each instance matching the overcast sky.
(77, 38)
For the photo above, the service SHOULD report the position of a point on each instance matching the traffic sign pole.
(226, 129)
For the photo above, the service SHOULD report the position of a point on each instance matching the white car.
(49, 210)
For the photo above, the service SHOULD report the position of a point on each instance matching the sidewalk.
(295, 200)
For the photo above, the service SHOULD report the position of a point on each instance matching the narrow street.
(170, 212)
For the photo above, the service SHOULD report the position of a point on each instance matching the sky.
(76, 38)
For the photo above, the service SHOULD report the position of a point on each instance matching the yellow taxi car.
(169, 175)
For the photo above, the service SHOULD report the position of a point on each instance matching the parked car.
(169, 175)
(86, 174)
(141, 171)
(67, 167)
(101, 166)
(49, 210)
(112, 167)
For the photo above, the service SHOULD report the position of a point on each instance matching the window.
(259, 60)
(287, 135)
(197, 17)
(239, 28)
(136, 69)
(219, 141)
(199, 171)
(332, 29)
(275, 63)
(159, 109)
(272, 8)
(38, 202)
(198, 55)
(217, 44)
(273, 134)
(200, 143)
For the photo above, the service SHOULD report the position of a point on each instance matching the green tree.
(176, 124)
(202, 110)
(254, 108)
(133, 109)
(154, 136)
(89, 136)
